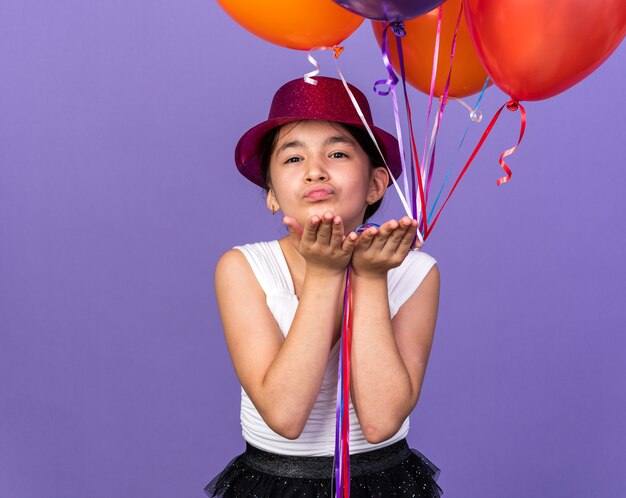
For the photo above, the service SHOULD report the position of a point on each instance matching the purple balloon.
(389, 10)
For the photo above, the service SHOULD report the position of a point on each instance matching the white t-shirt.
(318, 437)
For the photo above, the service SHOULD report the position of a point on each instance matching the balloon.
(535, 49)
(418, 46)
(389, 10)
(301, 24)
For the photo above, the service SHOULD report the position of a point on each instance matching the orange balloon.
(535, 49)
(301, 24)
(418, 47)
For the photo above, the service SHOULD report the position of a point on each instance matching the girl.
(281, 306)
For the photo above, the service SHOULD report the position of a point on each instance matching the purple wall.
(118, 194)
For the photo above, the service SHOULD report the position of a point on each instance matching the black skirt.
(391, 471)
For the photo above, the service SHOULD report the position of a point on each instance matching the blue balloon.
(389, 10)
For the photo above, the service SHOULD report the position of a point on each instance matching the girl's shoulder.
(240, 253)
(263, 261)
(404, 280)
(415, 261)
(231, 264)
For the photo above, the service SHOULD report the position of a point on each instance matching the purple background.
(118, 194)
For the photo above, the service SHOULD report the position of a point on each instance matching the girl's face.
(317, 166)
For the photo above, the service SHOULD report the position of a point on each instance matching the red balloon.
(535, 49)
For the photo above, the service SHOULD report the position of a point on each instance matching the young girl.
(281, 306)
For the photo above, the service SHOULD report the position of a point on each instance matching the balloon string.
(432, 209)
(338, 412)
(345, 426)
(432, 85)
(482, 93)
(391, 83)
(396, 113)
(415, 167)
(371, 134)
(442, 106)
(339, 456)
(511, 105)
(475, 115)
(342, 422)
(400, 32)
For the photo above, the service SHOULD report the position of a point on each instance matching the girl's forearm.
(381, 385)
(293, 380)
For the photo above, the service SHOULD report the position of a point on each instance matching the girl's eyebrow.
(286, 145)
(337, 139)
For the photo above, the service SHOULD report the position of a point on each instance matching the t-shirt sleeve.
(404, 280)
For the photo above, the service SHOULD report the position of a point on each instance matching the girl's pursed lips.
(318, 192)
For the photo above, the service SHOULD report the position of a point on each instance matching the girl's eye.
(338, 155)
(292, 160)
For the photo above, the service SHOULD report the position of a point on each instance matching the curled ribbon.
(392, 81)
(308, 77)
(511, 105)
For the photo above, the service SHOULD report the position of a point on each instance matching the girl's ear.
(378, 184)
(271, 201)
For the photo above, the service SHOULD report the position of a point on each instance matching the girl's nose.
(316, 172)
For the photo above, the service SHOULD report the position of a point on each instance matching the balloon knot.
(337, 51)
(398, 28)
(512, 105)
(476, 115)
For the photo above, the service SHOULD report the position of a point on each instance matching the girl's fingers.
(384, 234)
(293, 226)
(309, 234)
(396, 238)
(337, 236)
(364, 240)
(325, 228)
(349, 242)
(408, 237)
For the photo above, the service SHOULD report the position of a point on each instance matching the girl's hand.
(322, 242)
(377, 250)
